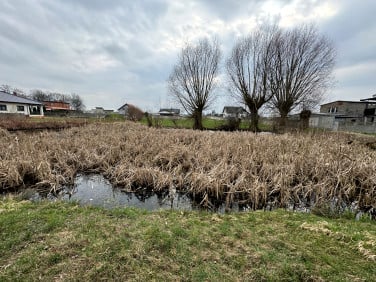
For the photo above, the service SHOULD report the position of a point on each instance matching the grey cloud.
(229, 10)
(98, 5)
(353, 31)
(45, 42)
(116, 50)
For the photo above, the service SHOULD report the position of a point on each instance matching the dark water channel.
(95, 190)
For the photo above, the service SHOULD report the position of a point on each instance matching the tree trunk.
(197, 116)
(254, 120)
(254, 117)
(283, 119)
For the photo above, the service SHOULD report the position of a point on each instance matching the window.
(34, 110)
(3, 107)
(20, 108)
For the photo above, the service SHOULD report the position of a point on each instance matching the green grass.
(62, 241)
(208, 123)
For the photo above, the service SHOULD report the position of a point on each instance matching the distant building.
(169, 112)
(56, 106)
(97, 110)
(234, 112)
(100, 112)
(358, 116)
(123, 110)
(13, 104)
(363, 109)
(348, 108)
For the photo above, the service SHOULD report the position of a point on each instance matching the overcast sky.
(112, 52)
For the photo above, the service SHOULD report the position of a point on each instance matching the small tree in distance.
(134, 113)
(193, 78)
(6, 88)
(76, 103)
(39, 95)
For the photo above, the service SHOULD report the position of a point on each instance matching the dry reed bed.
(29, 124)
(260, 170)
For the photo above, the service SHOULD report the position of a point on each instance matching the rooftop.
(10, 98)
(234, 110)
(362, 101)
(170, 110)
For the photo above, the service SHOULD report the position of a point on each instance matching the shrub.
(134, 113)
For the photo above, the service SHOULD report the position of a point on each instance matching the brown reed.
(259, 170)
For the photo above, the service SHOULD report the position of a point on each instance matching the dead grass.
(260, 170)
(19, 122)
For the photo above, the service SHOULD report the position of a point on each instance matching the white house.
(169, 112)
(234, 112)
(13, 104)
(123, 110)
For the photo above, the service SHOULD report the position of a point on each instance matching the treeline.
(283, 69)
(73, 99)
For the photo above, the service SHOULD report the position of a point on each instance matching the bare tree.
(6, 88)
(76, 103)
(248, 68)
(19, 92)
(15, 91)
(55, 96)
(302, 65)
(193, 77)
(39, 95)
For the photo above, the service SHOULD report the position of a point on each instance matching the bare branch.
(193, 78)
(303, 61)
(248, 69)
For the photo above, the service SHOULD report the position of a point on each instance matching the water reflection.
(96, 191)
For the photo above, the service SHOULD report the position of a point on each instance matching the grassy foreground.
(62, 241)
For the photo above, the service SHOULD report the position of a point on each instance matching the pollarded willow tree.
(303, 62)
(248, 68)
(193, 78)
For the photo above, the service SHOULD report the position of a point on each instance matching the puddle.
(95, 190)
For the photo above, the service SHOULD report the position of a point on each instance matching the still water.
(95, 190)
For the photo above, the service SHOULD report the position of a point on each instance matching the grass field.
(61, 242)
(208, 123)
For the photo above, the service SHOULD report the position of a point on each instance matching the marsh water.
(95, 190)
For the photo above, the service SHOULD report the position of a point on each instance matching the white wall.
(12, 109)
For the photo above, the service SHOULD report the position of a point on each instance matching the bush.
(134, 113)
(149, 119)
(232, 124)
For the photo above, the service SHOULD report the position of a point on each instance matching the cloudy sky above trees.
(115, 51)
